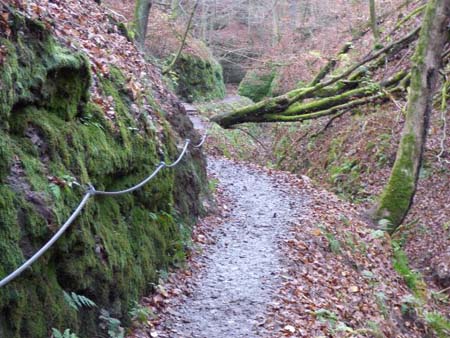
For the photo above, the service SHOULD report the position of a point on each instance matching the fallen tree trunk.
(333, 92)
(297, 111)
(330, 66)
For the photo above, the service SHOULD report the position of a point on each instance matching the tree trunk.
(275, 24)
(183, 40)
(141, 14)
(175, 9)
(204, 22)
(398, 194)
(289, 103)
(373, 23)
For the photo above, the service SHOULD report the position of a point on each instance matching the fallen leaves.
(84, 26)
(336, 269)
(181, 283)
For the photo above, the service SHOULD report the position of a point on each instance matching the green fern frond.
(78, 301)
(67, 334)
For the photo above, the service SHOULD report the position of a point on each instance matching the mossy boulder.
(198, 78)
(52, 135)
(258, 84)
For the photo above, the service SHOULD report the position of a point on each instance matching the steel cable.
(47, 246)
(91, 191)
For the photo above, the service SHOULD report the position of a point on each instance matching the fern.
(140, 313)
(67, 334)
(111, 325)
(78, 301)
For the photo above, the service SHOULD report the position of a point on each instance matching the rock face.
(52, 135)
(257, 84)
(233, 69)
(198, 78)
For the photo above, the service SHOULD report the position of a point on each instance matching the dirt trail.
(244, 267)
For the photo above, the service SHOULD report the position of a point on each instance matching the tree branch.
(183, 41)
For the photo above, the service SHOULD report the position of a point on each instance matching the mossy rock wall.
(51, 134)
(198, 79)
(257, 84)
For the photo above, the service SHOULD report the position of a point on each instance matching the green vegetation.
(111, 325)
(78, 301)
(439, 324)
(66, 334)
(211, 108)
(140, 313)
(345, 178)
(52, 136)
(257, 85)
(197, 79)
(414, 305)
(401, 264)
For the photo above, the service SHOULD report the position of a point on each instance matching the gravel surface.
(243, 268)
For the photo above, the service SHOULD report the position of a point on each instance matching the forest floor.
(281, 257)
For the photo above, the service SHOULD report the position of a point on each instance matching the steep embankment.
(79, 105)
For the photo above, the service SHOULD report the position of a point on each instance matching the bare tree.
(183, 40)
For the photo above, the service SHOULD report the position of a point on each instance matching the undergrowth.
(415, 305)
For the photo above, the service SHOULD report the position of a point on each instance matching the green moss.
(397, 195)
(118, 245)
(276, 87)
(413, 279)
(6, 156)
(126, 31)
(198, 79)
(37, 71)
(257, 85)
(216, 107)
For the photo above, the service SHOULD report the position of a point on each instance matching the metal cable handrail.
(91, 191)
(47, 246)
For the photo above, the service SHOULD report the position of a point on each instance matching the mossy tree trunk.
(141, 14)
(373, 22)
(175, 8)
(397, 196)
(329, 95)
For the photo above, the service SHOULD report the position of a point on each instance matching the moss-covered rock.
(51, 134)
(198, 78)
(257, 84)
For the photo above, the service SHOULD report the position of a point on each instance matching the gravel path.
(243, 268)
